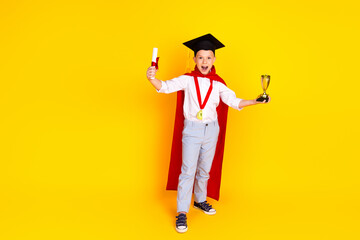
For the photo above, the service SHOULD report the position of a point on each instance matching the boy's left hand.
(263, 102)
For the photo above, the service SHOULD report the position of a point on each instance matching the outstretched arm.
(245, 103)
(228, 97)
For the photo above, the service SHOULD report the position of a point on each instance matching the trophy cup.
(265, 81)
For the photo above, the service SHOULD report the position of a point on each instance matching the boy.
(204, 93)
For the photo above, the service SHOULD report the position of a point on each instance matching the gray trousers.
(198, 150)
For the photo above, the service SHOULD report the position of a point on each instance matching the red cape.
(176, 151)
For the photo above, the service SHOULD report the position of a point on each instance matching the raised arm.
(169, 86)
(150, 74)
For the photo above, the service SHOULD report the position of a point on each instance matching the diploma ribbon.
(156, 64)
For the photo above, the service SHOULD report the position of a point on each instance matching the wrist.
(154, 80)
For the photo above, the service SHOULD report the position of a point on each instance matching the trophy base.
(262, 97)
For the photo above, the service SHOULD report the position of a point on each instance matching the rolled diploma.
(154, 56)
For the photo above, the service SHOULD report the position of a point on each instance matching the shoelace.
(181, 220)
(205, 205)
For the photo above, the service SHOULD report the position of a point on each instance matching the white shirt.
(191, 104)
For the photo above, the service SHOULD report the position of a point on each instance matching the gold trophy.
(265, 81)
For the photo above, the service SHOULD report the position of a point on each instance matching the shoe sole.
(208, 213)
(181, 230)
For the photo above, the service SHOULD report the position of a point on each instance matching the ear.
(194, 59)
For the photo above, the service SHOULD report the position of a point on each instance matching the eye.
(200, 57)
(209, 58)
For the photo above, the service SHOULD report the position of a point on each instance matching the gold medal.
(199, 115)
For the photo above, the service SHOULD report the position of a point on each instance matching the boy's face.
(204, 60)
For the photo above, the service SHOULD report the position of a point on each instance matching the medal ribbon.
(202, 106)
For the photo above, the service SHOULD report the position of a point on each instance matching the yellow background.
(85, 138)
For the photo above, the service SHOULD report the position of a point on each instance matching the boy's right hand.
(151, 72)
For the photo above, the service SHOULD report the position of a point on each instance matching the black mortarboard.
(206, 42)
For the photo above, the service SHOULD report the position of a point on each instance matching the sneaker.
(205, 207)
(181, 225)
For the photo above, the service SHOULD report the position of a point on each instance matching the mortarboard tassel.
(188, 68)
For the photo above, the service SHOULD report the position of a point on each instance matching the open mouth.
(204, 68)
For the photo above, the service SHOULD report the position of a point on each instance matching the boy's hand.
(265, 101)
(150, 73)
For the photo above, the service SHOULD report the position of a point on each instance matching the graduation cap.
(206, 42)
